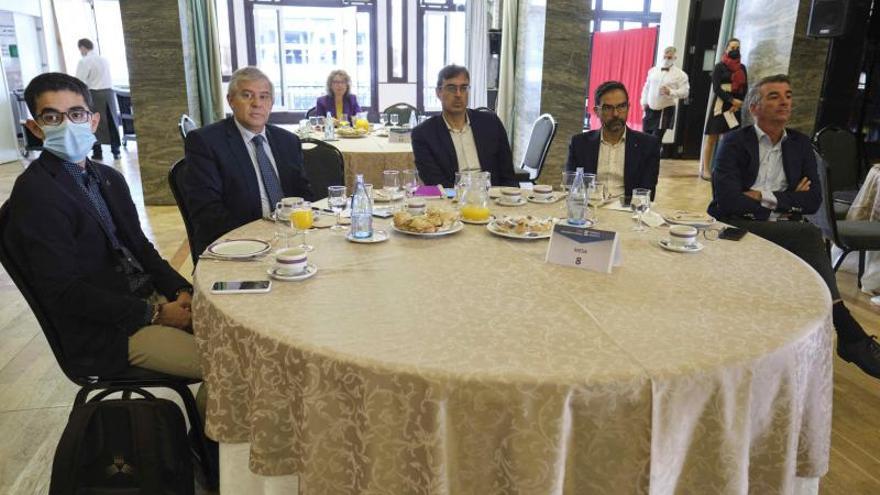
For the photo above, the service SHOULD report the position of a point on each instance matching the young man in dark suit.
(765, 179)
(74, 230)
(460, 139)
(621, 158)
(239, 168)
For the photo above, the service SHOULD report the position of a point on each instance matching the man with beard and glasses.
(621, 158)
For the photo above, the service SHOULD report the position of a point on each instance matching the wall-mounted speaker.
(827, 18)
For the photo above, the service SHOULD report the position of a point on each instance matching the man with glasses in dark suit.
(460, 139)
(622, 159)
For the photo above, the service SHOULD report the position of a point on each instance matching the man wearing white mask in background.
(666, 84)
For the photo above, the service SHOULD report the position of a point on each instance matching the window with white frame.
(444, 42)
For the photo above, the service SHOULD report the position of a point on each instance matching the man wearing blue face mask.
(74, 230)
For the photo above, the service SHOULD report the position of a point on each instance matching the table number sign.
(583, 247)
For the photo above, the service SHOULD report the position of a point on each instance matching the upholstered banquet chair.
(840, 149)
(324, 166)
(131, 377)
(403, 111)
(543, 132)
(175, 174)
(185, 125)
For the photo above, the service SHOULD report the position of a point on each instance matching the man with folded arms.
(460, 139)
(74, 231)
(621, 158)
(239, 168)
(765, 179)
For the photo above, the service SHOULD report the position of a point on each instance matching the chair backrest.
(403, 111)
(186, 124)
(175, 175)
(840, 150)
(311, 112)
(543, 132)
(324, 166)
(8, 255)
(824, 218)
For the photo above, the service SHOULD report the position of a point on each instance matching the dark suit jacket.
(736, 170)
(435, 154)
(326, 104)
(56, 237)
(641, 159)
(220, 185)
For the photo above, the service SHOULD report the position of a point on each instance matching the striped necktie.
(270, 179)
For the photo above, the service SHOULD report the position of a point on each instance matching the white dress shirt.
(675, 79)
(771, 172)
(609, 170)
(94, 70)
(248, 137)
(465, 146)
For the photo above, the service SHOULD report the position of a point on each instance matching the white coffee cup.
(291, 261)
(682, 236)
(511, 195)
(542, 192)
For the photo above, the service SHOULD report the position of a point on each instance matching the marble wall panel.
(807, 70)
(564, 85)
(528, 74)
(153, 46)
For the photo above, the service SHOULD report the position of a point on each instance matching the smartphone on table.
(732, 233)
(242, 287)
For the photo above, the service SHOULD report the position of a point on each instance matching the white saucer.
(478, 222)
(501, 202)
(378, 236)
(552, 199)
(310, 271)
(664, 243)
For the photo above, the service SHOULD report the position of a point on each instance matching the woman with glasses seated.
(622, 159)
(339, 101)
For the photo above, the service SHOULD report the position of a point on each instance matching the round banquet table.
(371, 155)
(466, 364)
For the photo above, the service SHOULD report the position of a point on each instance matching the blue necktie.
(270, 180)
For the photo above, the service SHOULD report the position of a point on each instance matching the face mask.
(734, 54)
(667, 63)
(68, 141)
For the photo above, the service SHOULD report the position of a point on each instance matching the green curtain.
(207, 60)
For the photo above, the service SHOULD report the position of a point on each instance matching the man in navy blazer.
(460, 139)
(765, 177)
(239, 168)
(621, 158)
(74, 232)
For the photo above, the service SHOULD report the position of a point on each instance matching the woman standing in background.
(730, 84)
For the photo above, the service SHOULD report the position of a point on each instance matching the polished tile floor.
(35, 397)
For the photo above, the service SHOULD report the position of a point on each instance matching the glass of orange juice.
(301, 219)
(475, 212)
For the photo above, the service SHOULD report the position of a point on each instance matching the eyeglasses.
(338, 82)
(251, 96)
(607, 109)
(52, 118)
(453, 89)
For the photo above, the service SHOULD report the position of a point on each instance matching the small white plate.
(310, 271)
(552, 199)
(513, 235)
(664, 243)
(239, 248)
(457, 226)
(694, 219)
(378, 236)
(478, 222)
(381, 197)
(501, 202)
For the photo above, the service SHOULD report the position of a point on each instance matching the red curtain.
(623, 56)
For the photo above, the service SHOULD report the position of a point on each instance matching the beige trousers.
(167, 350)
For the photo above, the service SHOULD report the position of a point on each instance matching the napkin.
(652, 219)
(616, 206)
(429, 192)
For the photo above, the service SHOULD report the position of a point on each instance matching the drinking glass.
(590, 185)
(394, 119)
(567, 179)
(301, 219)
(383, 118)
(390, 183)
(344, 121)
(640, 203)
(313, 123)
(337, 200)
(320, 121)
(410, 179)
(460, 183)
(282, 217)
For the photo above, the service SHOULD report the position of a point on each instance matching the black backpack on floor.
(123, 447)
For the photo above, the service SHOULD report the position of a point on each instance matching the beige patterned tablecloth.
(370, 156)
(465, 364)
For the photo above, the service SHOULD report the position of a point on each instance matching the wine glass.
(410, 181)
(336, 199)
(394, 119)
(640, 203)
(383, 118)
(301, 219)
(390, 184)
